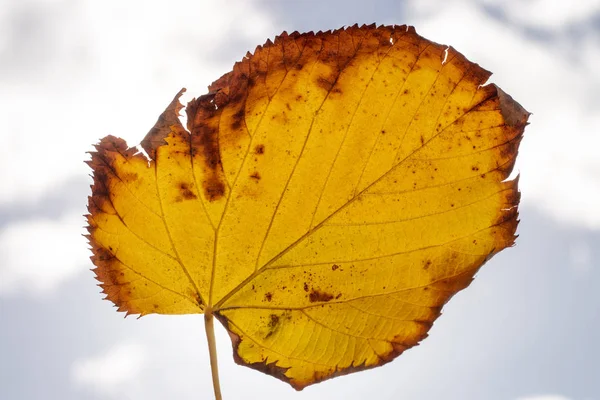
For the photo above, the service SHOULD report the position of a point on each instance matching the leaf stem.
(209, 325)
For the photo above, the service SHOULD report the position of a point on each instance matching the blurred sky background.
(72, 72)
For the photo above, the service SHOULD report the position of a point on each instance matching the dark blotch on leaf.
(274, 320)
(272, 325)
(214, 189)
(205, 143)
(317, 295)
(186, 192)
(238, 119)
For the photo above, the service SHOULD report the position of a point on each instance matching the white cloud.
(544, 397)
(548, 13)
(98, 68)
(37, 255)
(106, 373)
(580, 254)
(117, 65)
(558, 161)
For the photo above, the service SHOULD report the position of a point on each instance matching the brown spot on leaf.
(214, 189)
(334, 267)
(238, 119)
(426, 265)
(325, 83)
(186, 192)
(210, 146)
(272, 325)
(259, 149)
(273, 320)
(256, 176)
(268, 296)
(205, 143)
(129, 177)
(317, 295)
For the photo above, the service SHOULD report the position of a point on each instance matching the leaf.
(328, 197)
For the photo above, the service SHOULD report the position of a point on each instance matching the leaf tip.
(166, 121)
(513, 113)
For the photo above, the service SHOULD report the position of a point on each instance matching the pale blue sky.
(72, 72)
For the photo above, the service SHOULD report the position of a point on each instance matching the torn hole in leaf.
(445, 55)
(140, 150)
(183, 117)
(514, 174)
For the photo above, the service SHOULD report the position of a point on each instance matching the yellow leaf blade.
(329, 196)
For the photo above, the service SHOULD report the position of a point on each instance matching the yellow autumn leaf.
(328, 197)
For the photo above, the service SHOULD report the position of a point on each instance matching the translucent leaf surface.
(327, 198)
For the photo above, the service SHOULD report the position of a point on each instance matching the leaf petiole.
(212, 349)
